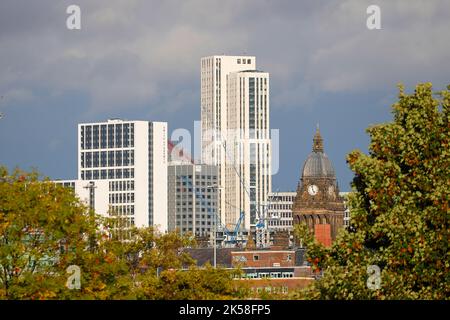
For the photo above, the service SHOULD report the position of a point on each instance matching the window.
(118, 158)
(110, 136)
(126, 135)
(118, 136)
(103, 136)
(255, 257)
(95, 137)
(103, 158)
(275, 274)
(82, 159)
(126, 158)
(88, 159)
(239, 61)
(249, 61)
(111, 158)
(95, 159)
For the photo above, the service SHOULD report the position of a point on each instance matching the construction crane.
(262, 236)
(262, 230)
(236, 230)
(231, 236)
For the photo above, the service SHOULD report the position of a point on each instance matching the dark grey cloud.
(131, 52)
(141, 58)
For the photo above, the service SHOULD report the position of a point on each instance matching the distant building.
(318, 203)
(248, 173)
(193, 198)
(93, 194)
(279, 212)
(235, 134)
(275, 271)
(214, 101)
(132, 157)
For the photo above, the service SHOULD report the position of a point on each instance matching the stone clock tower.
(318, 203)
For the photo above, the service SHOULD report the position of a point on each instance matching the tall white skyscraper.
(132, 157)
(235, 133)
(248, 178)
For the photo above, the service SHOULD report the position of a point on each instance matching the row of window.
(127, 197)
(123, 185)
(107, 136)
(280, 206)
(190, 209)
(280, 223)
(122, 210)
(270, 289)
(256, 257)
(202, 183)
(244, 61)
(116, 158)
(67, 184)
(262, 275)
(198, 196)
(197, 177)
(198, 231)
(283, 198)
(277, 214)
(203, 223)
(187, 196)
(107, 174)
(189, 203)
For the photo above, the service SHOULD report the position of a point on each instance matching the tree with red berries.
(397, 246)
(45, 232)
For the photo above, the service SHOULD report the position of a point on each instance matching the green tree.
(43, 230)
(160, 268)
(399, 209)
(195, 283)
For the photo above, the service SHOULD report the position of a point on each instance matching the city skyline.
(328, 71)
(236, 151)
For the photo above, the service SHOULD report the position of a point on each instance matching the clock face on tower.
(313, 189)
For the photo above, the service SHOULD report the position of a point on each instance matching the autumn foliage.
(400, 217)
(45, 228)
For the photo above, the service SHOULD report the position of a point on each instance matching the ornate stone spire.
(317, 141)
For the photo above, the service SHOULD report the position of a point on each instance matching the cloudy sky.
(138, 59)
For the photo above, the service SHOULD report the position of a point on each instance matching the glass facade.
(193, 198)
(107, 152)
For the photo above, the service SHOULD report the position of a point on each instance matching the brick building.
(318, 203)
(274, 271)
